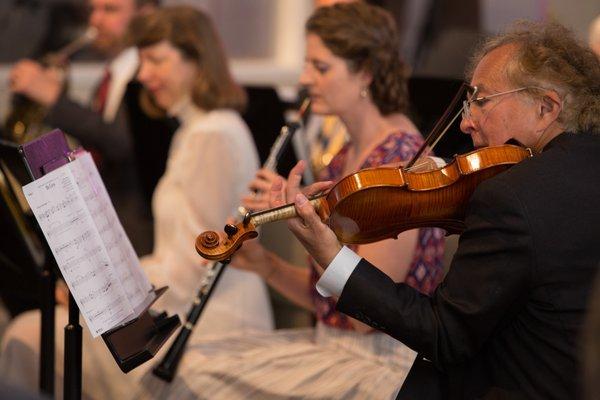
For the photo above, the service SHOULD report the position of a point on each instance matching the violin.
(379, 203)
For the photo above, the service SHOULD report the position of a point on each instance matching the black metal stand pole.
(73, 340)
(47, 336)
(47, 311)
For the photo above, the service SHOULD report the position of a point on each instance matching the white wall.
(575, 14)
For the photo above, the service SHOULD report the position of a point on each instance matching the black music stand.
(33, 266)
(132, 343)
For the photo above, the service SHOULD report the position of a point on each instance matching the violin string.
(285, 211)
(416, 165)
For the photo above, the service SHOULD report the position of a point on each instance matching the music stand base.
(138, 340)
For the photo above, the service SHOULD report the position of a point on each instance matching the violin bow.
(441, 127)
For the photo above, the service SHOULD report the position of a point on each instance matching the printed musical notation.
(89, 244)
(57, 207)
(119, 248)
(76, 242)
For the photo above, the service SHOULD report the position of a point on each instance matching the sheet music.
(89, 244)
(124, 259)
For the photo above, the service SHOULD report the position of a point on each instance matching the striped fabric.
(321, 363)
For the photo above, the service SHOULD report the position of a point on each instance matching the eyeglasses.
(466, 111)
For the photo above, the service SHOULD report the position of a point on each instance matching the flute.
(167, 368)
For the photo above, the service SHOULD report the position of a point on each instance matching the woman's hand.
(259, 188)
(252, 256)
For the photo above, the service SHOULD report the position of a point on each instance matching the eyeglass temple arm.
(440, 127)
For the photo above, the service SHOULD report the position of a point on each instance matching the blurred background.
(265, 37)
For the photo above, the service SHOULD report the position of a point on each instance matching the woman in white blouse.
(211, 160)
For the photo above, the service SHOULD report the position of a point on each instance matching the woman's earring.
(364, 93)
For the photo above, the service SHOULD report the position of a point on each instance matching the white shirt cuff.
(338, 272)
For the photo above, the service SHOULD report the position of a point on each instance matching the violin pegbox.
(218, 247)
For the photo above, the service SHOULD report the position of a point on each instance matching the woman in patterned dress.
(353, 71)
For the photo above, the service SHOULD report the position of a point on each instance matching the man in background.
(110, 124)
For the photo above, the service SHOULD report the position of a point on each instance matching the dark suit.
(133, 150)
(505, 321)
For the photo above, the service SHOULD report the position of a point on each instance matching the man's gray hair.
(547, 55)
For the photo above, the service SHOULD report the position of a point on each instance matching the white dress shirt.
(122, 70)
(338, 272)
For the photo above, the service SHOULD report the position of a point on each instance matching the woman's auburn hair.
(365, 36)
(192, 32)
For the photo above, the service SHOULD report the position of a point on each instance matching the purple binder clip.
(46, 153)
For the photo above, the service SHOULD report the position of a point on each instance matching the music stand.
(132, 343)
(35, 267)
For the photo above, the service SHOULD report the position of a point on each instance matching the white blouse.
(211, 161)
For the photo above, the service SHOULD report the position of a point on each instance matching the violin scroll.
(215, 247)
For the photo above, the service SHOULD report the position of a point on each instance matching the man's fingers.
(306, 211)
(317, 187)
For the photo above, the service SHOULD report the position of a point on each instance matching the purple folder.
(46, 153)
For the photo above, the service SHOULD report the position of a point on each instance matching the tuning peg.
(231, 230)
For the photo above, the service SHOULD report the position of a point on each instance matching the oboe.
(167, 368)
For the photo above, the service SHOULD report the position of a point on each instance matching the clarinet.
(167, 368)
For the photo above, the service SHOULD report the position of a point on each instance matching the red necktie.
(102, 93)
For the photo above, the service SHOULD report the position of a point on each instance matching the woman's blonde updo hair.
(192, 32)
(547, 55)
(366, 37)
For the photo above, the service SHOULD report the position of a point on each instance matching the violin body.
(379, 203)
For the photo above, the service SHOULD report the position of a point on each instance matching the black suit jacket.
(133, 149)
(506, 320)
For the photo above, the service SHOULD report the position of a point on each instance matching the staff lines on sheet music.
(110, 309)
(58, 228)
(82, 279)
(75, 242)
(50, 212)
(92, 257)
(96, 292)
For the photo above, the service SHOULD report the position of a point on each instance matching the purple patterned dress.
(426, 268)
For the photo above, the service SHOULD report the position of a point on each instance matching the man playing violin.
(505, 321)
